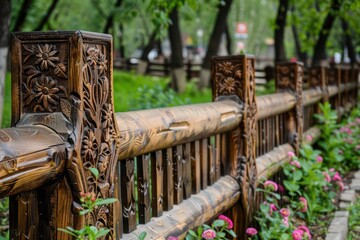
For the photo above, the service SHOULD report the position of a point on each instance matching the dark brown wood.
(195, 166)
(168, 180)
(157, 176)
(289, 77)
(192, 212)
(204, 162)
(187, 171)
(128, 195)
(234, 78)
(178, 174)
(143, 187)
(217, 156)
(212, 166)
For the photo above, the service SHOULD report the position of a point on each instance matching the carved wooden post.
(64, 80)
(289, 77)
(319, 79)
(234, 78)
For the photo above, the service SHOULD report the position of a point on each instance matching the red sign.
(241, 28)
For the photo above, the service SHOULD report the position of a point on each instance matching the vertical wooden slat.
(224, 154)
(277, 131)
(128, 195)
(143, 164)
(263, 137)
(178, 174)
(187, 171)
(211, 152)
(168, 180)
(217, 156)
(195, 165)
(118, 205)
(204, 163)
(157, 177)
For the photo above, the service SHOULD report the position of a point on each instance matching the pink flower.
(291, 154)
(331, 169)
(272, 209)
(357, 120)
(251, 231)
(357, 147)
(303, 204)
(295, 163)
(306, 230)
(309, 138)
(271, 185)
(227, 220)
(284, 212)
(172, 238)
(337, 177)
(340, 152)
(319, 159)
(327, 177)
(281, 188)
(285, 222)
(297, 234)
(209, 234)
(341, 185)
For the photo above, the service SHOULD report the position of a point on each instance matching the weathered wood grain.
(192, 212)
(143, 188)
(274, 104)
(157, 176)
(149, 130)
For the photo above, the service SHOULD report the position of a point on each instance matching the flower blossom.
(209, 234)
(291, 154)
(337, 177)
(271, 185)
(297, 234)
(327, 177)
(227, 220)
(341, 185)
(284, 212)
(319, 159)
(303, 204)
(295, 163)
(285, 222)
(306, 231)
(251, 231)
(309, 138)
(272, 209)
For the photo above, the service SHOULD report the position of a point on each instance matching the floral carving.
(44, 75)
(284, 76)
(228, 78)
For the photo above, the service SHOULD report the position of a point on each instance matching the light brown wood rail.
(30, 157)
(149, 130)
(274, 104)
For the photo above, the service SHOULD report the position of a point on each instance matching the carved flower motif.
(46, 56)
(45, 91)
(92, 55)
(102, 64)
(226, 68)
(228, 86)
(89, 145)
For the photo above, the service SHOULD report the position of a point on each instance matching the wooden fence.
(171, 169)
(192, 70)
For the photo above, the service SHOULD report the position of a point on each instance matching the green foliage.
(219, 229)
(354, 221)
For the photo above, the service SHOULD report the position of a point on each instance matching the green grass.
(131, 91)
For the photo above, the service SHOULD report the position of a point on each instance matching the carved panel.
(235, 76)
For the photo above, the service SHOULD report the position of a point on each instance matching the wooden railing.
(162, 68)
(171, 169)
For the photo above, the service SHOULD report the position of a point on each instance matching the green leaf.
(104, 232)
(232, 233)
(297, 175)
(83, 212)
(192, 233)
(219, 223)
(220, 234)
(101, 201)
(142, 235)
(65, 231)
(95, 172)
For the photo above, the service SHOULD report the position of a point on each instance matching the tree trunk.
(319, 48)
(110, 20)
(20, 20)
(228, 39)
(121, 41)
(144, 61)
(5, 12)
(46, 17)
(177, 72)
(280, 54)
(301, 55)
(348, 41)
(214, 42)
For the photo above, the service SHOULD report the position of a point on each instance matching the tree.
(47, 15)
(214, 42)
(348, 40)
(20, 20)
(320, 47)
(280, 30)
(5, 12)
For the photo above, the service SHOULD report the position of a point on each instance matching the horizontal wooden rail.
(273, 104)
(149, 130)
(311, 96)
(30, 157)
(192, 212)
